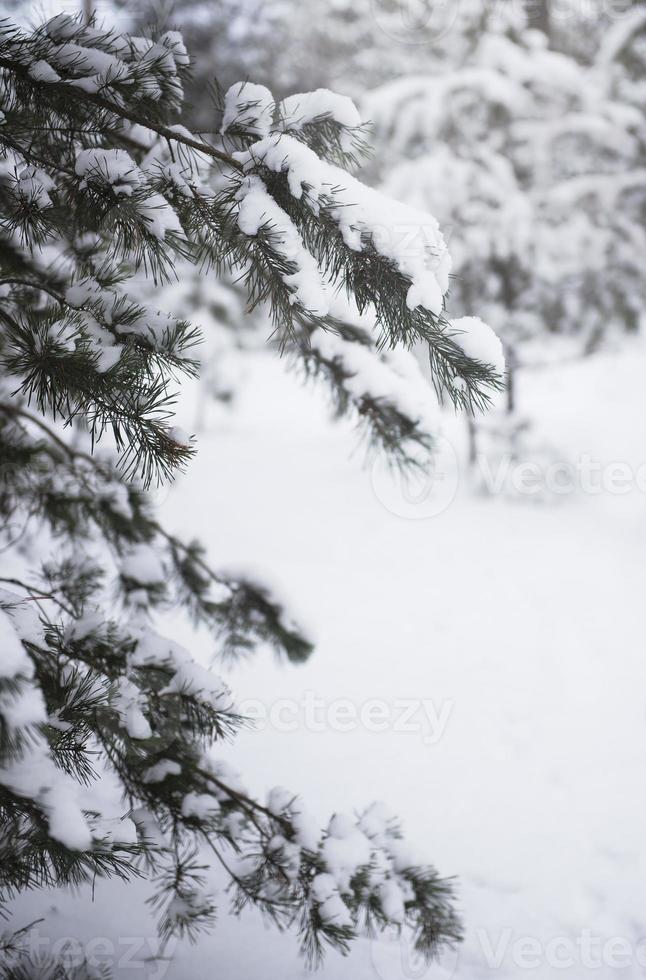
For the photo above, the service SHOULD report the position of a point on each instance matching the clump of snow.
(225, 773)
(143, 565)
(159, 216)
(345, 850)
(408, 238)
(14, 658)
(88, 292)
(288, 853)
(36, 777)
(116, 830)
(34, 185)
(180, 436)
(175, 42)
(161, 769)
(80, 52)
(179, 176)
(128, 704)
(41, 71)
(390, 376)
(250, 106)
(257, 209)
(23, 707)
(204, 806)
(306, 830)
(279, 800)
(23, 617)
(330, 905)
(102, 343)
(190, 677)
(100, 66)
(187, 676)
(391, 899)
(304, 108)
(117, 497)
(283, 803)
(479, 342)
(92, 622)
(117, 169)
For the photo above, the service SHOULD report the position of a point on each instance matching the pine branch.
(17, 68)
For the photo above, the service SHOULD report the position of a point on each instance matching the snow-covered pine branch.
(99, 182)
(284, 212)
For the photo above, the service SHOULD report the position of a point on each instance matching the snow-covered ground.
(479, 667)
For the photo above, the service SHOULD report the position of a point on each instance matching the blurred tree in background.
(534, 161)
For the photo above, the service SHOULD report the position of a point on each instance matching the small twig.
(134, 117)
(71, 453)
(35, 285)
(37, 594)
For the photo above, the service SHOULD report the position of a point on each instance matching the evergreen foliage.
(99, 184)
(535, 160)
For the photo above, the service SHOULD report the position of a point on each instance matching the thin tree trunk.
(511, 379)
(538, 15)
(472, 438)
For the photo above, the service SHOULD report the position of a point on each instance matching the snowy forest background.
(478, 624)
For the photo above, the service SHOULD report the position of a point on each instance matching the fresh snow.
(408, 237)
(256, 210)
(250, 106)
(394, 377)
(301, 109)
(14, 658)
(117, 169)
(34, 774)
(40, 71)
(158, 772)
(479, 342)
(520, 618)
(143, 565)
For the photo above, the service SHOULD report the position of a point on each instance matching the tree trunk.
(510, 355)
(538, 15)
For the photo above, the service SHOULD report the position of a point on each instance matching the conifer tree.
(535, 161)
(100, 183)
